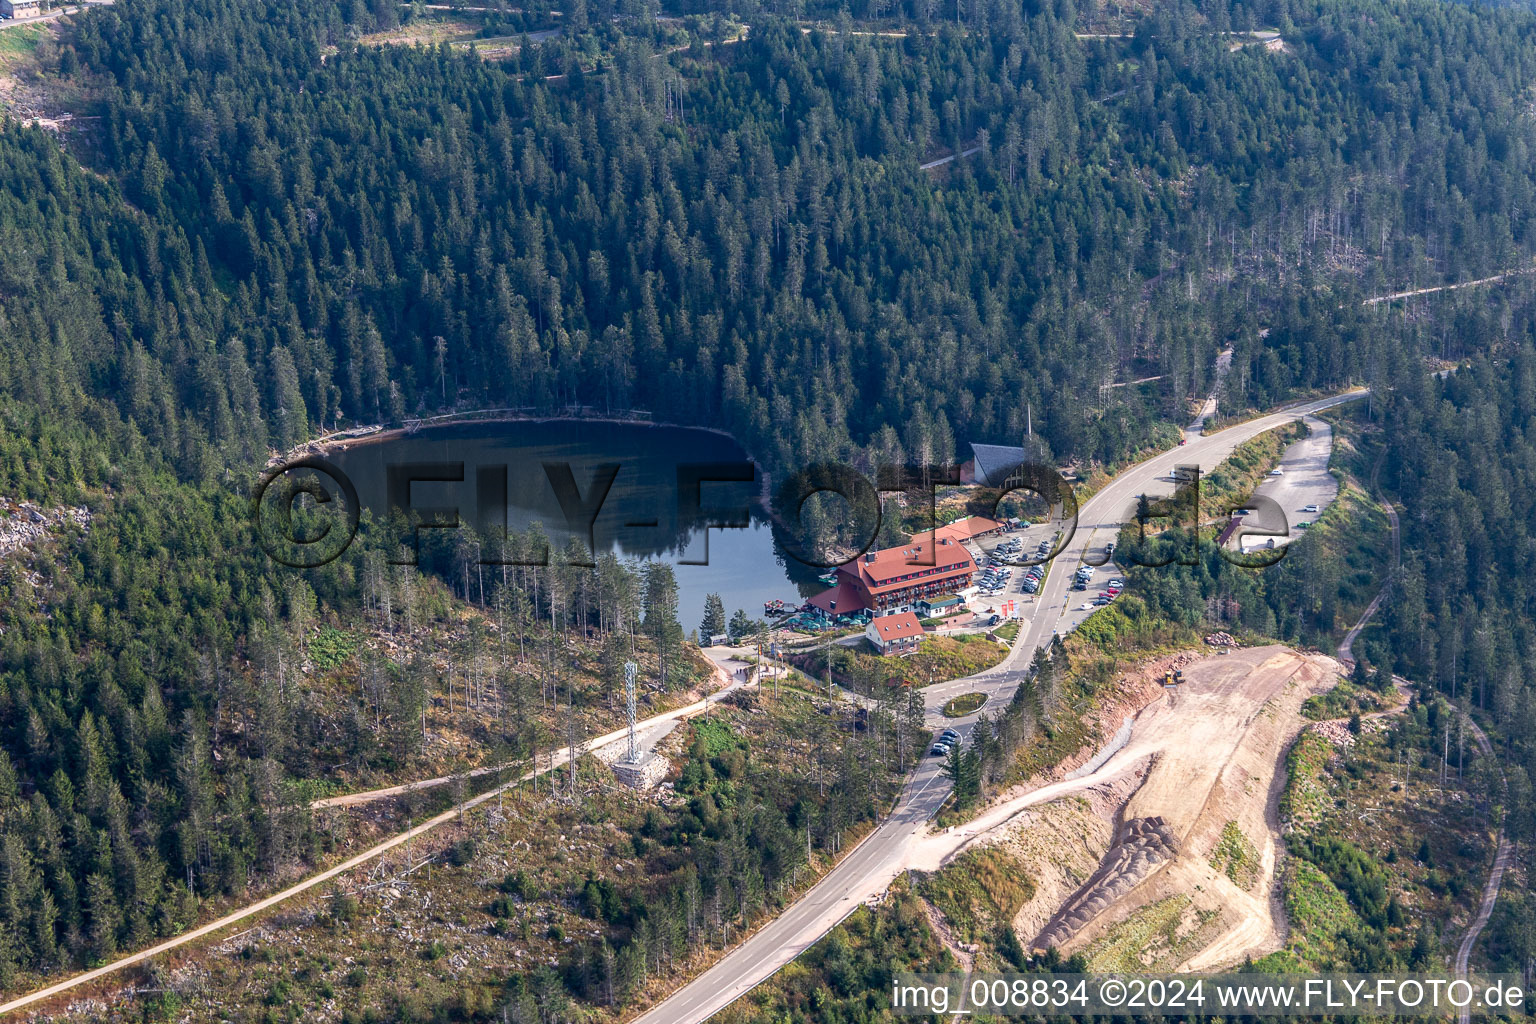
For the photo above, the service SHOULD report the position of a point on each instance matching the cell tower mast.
(629, 709)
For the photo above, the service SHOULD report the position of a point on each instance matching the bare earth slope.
(1188, 880)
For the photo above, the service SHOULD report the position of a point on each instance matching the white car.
(1277, 471)
(1309, 508)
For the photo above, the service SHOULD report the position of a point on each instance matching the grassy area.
(1236, 857)
(965, 704)
(1232, 483)
(1305, 797)
(1149, 937)
(937, 659)
(979, 893)
(1316, 907)
(19, 42)
(1344, 700)
(1009, 630)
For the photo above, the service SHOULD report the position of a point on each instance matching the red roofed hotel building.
(892, 579)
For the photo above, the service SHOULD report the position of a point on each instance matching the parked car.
(1309, 508)
(1277, 471)
(939, 750)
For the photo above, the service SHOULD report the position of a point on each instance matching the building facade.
(894, 579)
(20, 8)
(895, 634)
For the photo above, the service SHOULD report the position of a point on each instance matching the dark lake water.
(645, 514)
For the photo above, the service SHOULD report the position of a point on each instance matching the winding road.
(867, 871)
(1501, 859)
(1504, 852)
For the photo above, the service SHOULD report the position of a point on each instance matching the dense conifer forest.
(273, 228)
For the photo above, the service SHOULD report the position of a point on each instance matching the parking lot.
(1303, 488)
(1013, 588)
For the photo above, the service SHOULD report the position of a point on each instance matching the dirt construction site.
(1164, 856)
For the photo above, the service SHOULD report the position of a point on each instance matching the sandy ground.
(1200, 759)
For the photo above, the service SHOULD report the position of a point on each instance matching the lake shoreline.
(345, 440)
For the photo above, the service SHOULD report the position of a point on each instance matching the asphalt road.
(870, 867)
(1304, 480)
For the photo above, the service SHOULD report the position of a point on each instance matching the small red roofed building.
(895, 579)
(970, 528)
(895, 634)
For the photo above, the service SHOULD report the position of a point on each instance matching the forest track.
(1495, 279)
(941, 161)
(1503, 850)
(557, 760)
(1501, 858)
(1347, 645)
(698, 707)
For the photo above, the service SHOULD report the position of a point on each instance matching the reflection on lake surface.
(647, 511)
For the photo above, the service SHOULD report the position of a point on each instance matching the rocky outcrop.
(23, 524)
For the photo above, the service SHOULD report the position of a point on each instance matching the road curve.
(870, 867)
